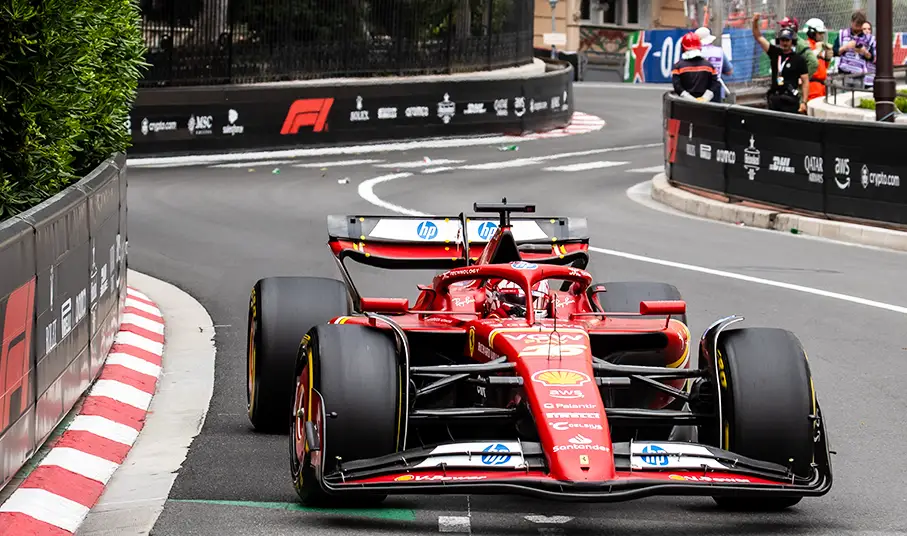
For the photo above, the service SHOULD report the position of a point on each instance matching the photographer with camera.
(855, 50)
(790, 74)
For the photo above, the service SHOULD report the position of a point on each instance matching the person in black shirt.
(693, 76)
(790, 74)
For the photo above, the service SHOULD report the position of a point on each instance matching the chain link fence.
(214, 42)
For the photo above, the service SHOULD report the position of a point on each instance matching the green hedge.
(68, 76)
(900, 101)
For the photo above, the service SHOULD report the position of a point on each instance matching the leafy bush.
(68, 76)
(900, 102)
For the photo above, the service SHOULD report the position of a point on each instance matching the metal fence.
(205, 42)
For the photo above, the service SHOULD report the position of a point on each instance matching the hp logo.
(495, 459)
(486, 229)
(427, 230)
(654, 460)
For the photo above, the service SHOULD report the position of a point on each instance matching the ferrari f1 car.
(514, 373)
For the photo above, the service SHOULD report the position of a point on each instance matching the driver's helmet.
(506, 299)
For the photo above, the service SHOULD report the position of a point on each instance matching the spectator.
(693, 76)
(716, 57)
(803, 49)
(870, 66)
(790, 76)
(815, 35)
(855, 50)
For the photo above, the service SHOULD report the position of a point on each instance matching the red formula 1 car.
(514, 373)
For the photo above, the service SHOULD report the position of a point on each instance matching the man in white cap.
(716, 57)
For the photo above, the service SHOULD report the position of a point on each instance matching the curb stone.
(57, 495)
(690, 203)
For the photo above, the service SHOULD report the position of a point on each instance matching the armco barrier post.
(17, 346)
(779, 158)
(866, 171)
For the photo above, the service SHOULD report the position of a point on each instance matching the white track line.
(252, 164)
(653, 169)
(367, 188)
(366, 191)
(339, 163)
(244, 159)
(418, 164)
(454, 524)
(751, 279)
(585, 166)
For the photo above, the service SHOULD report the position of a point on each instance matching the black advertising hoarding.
(867, 166)
(48, 335)
(779, 158)
(273, 116)
(695, 147)
(62, 327)
(17, 343)
(836, 168)
(103, 191)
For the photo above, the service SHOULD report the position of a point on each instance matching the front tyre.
(768, 402)
(356, 371)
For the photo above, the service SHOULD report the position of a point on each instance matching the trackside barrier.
(836, 169)
(197, 120)
(62, 293)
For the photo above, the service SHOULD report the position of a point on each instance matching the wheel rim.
(250, 388)
(301, 404)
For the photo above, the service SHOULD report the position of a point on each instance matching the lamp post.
(554, 27)
(884, 87)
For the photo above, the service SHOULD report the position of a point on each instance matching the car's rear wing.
(435, 242)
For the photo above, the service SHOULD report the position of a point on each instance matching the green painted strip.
(397, 514)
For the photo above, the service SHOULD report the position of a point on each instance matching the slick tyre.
(624, 296)
(355, 370)
(767, 400)
(281, 311)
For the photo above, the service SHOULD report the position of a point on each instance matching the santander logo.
(580, 439)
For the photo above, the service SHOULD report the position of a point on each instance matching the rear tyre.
(767, 397)
(356, 371)
(281, 311)
(624, 296)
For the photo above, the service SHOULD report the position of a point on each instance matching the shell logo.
(559, 377)
(676, 477)
(404, 478)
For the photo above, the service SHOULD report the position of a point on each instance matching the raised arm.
(757, 33)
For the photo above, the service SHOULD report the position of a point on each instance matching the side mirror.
(665, 307)
(385, 305)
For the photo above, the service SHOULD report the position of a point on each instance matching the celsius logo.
(486, 229)
(427, 230)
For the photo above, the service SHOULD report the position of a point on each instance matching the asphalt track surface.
(215, 231)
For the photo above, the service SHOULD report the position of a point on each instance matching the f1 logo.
(307, 113)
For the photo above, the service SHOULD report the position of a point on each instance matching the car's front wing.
(508, 467)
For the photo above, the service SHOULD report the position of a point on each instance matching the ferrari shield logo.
(472, 342)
